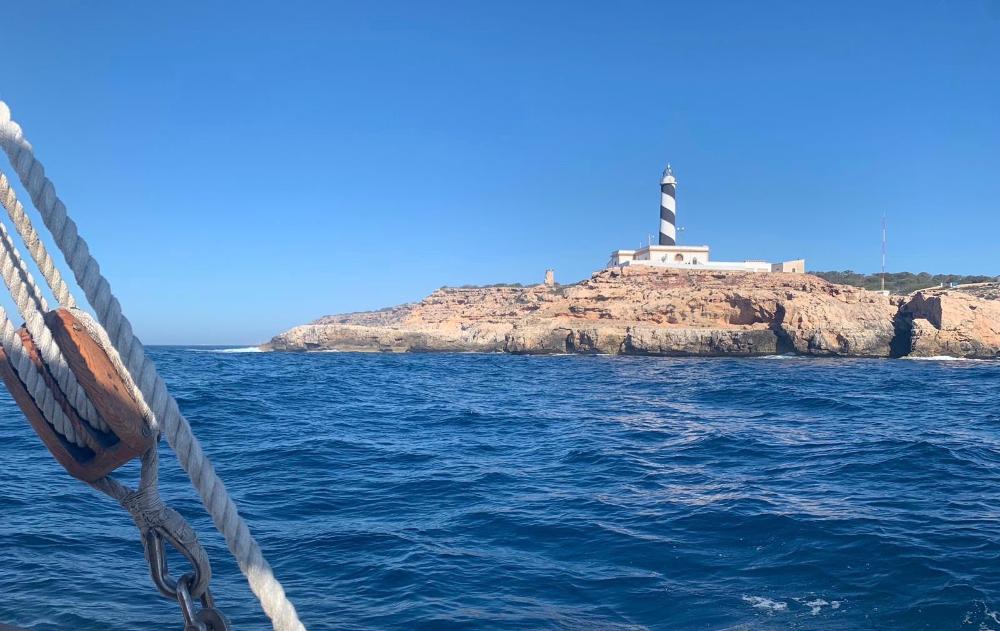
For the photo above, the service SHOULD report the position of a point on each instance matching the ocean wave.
(498, 492)
(946, 358)
(244, 349)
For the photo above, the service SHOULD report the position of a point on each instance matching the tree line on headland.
(896, 282)
(900, 282)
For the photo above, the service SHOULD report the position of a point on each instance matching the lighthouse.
(668, 208)
(688, 257)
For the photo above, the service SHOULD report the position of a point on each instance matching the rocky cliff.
(649, 311)
(957, 322)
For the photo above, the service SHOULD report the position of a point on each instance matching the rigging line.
(33, 244)
(32, 306)
(176, 428)
(33, 381)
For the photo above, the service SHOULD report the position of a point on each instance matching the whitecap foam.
(944, 358)
(245, 349)
(759, 602)
(816, 604)
(988, 617)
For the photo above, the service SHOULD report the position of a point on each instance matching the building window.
(679, 257)
(694, 261)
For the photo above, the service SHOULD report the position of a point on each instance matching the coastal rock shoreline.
(665, 312)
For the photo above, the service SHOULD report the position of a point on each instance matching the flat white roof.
(666, 248)
(675, 248)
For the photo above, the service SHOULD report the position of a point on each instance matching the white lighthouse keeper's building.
(669, 254)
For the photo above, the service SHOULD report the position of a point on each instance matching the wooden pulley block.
(130, 435)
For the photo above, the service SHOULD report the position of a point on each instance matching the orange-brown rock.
(953, 323)
(650, 311)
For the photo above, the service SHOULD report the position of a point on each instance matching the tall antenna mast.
(883, 252)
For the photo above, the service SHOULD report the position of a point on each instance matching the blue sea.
(502, 492)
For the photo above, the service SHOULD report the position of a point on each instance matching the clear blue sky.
(239, 168)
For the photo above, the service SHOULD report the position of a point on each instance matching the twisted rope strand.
(33, 244)
(27, 285)
(31, 304)
(33, 381)
(100, 336)
(175, 427)
(149, 512)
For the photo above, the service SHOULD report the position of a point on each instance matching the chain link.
(208, 618)
(205, 618)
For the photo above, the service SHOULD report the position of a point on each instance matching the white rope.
(32, 306)
(34, 245)
(33, 381)
(28, 289)
(175, 427)
(99, 335)
(149, 512)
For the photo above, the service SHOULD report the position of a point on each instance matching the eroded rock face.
(649, 311)
(953, 323)
(838, 320)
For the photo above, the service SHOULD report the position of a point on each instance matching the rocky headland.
(655, 311)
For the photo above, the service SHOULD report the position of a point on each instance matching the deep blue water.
(503, 492)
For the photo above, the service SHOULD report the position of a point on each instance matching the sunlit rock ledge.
(649, 311)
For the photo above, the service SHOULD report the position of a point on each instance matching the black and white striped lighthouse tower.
(668, 208)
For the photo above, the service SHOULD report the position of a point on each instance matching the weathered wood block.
(104, 452)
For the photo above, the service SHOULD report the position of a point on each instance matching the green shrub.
(900, 282)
